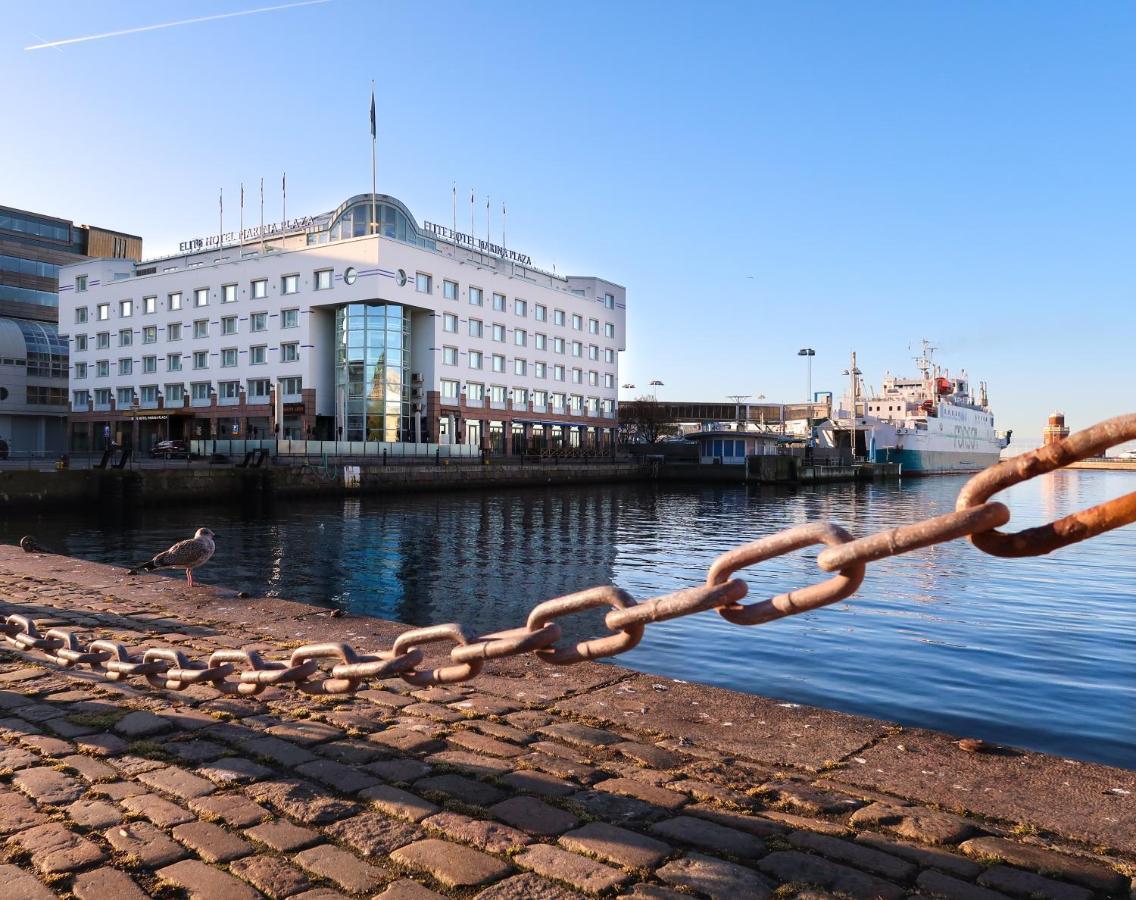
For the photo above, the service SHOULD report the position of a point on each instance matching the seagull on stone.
(187, 554)
(31, 545)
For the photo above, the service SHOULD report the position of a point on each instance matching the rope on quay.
(337, 668)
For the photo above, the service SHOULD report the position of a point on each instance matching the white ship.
(930, 425)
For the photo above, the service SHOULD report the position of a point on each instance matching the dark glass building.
(33, 358)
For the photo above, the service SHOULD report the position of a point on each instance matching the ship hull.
(937, 462)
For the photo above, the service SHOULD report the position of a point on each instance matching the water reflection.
(1031, 652)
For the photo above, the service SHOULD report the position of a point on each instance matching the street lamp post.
(853, 373)
(808, 353)
(655, 384)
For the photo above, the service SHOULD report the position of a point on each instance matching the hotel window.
(229, 325)
(520, 397)
(149, 393)
(126, 367)
(201, 328)
(520, 307)
(577, 376)
(173, 362)
(499, 302)
(593, 352)
(449, 389)
(174, 393)
(609, 301)
(102, 340)
(103, 312)
(289, 318)
(81, 315)
(450, 290)
(594, 379)
(291, 386)
(201, 297)
(125, 337)
(609, 330)
(475, 296)
(499, 333)
(228, 293)
(323, 279)
(540, 341)
(558, 317)
(149, 365)
(497, 393)
(577, 348)
(173, 301)
(125, 397)
(102, 396)
(258, 355)
(149, 304)
(558, 345)
(609, 355)
(173, 331)
(449, 356)
(229, 390)
(201, 359)
(258, 322)
(474, 392)
(259, 289)
(557, 399)
(290, 284)
(607, 406)
(576, 404)
(593, 326)
(199, 390)
(557, 373)
(476, 329)
(423, 283)
(125, 309)
(540, 370)
(80, 283)
(258, 388)
(80, 342)
(540, 313)
(450, 323)
(79, 399)
(150, 334)
(540, 398)
(577, 322)
(520, 367)
(521, 337)
(80, 370)
(228, 357)
(593, 405)
(498, 362)
(289, 352)
(609, 380)
(474, 357)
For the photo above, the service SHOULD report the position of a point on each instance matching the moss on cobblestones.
(150, 750)
(103, 720)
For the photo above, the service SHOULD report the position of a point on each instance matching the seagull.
(187, 554)
(31, 545)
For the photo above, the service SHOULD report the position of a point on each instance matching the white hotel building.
(320, 329)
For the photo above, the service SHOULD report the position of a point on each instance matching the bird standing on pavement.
(187, 554)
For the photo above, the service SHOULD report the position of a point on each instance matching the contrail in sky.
(231, 15)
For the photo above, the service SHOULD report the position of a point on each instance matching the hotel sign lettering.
(474, 244)
(248, 234)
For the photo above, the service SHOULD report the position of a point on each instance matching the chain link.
(336, 668)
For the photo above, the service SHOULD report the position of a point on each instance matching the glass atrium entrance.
(372, 366)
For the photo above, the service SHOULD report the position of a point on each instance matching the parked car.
(170, 450)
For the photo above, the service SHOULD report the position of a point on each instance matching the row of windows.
(258, 290)
(476, 361)
(424, 284)
(289, 318)
(258, 356)
(475, 392)
(520, 335)
(26, 225)
(46, 396)
(257, 390)
(20, 266)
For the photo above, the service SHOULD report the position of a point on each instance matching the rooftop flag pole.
(455, 234)
(488, 216)
(471, 212)
(284, 197)
(241, 228)
(262, 215)
(503, 220)
(221, 217)
(374, 224)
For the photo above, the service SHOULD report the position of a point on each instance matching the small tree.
(643, 420)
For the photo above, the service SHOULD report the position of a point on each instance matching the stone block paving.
(501, 791)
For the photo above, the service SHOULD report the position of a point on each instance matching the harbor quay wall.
(528, 780)
(152, 486)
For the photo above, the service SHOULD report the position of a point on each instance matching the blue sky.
(761, 176)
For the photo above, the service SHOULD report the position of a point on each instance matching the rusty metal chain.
(337, 668)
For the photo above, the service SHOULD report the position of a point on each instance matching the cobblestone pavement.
(528, 782)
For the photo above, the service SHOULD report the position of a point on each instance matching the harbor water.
(1034, 653)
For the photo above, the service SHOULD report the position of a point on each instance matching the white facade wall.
(377, 263)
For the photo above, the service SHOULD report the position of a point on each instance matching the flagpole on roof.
(455, 234)
(503, 220)
(262, 215)
(220, 217)
(284, 198)
(471, 213)
(374, 224)
(241, 227)
(488, 216)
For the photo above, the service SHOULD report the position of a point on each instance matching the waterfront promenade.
(530, 781)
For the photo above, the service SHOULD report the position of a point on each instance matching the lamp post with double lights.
(854, 374)
(808, 353)
(655, 384)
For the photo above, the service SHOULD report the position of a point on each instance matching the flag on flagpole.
(372, 112)
(221, 199)
(242, 195)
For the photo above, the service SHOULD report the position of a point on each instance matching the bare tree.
(643, 420)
